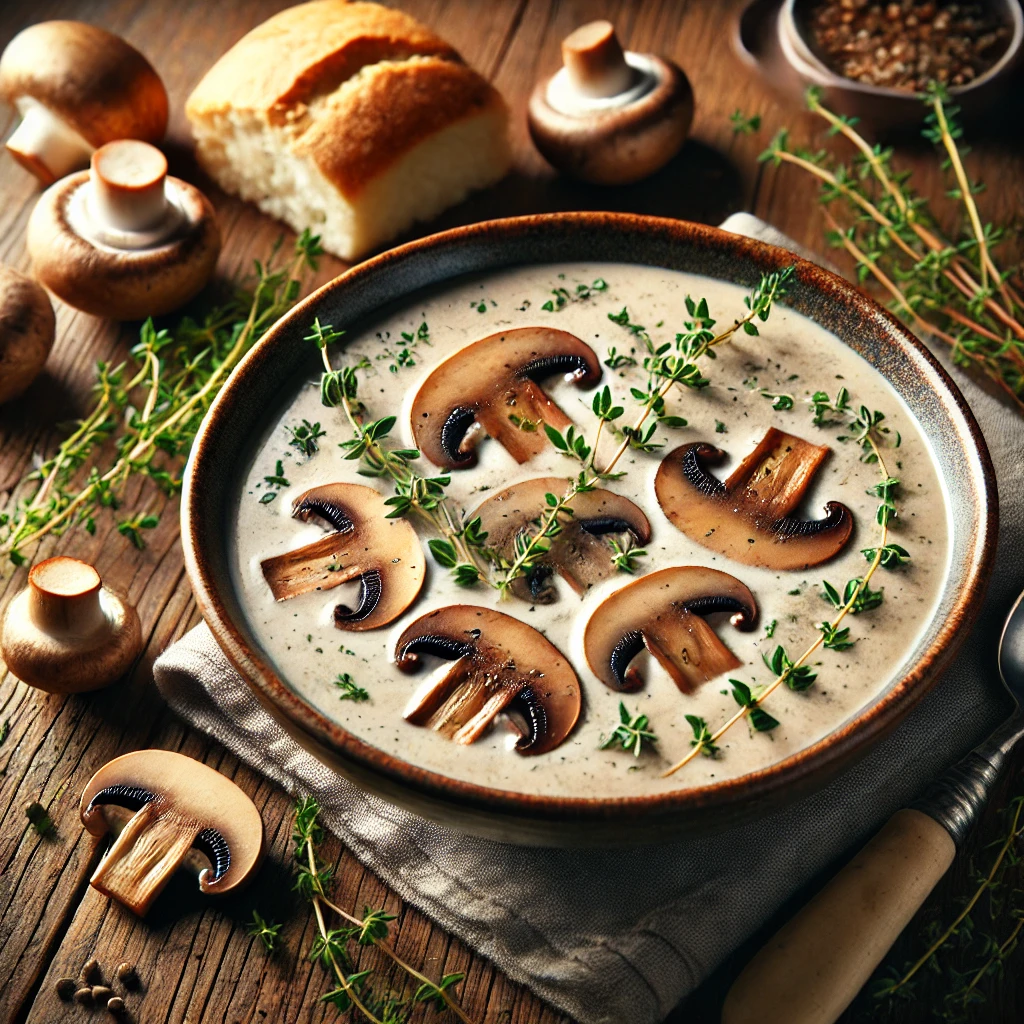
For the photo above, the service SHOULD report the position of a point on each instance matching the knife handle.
(813, 967)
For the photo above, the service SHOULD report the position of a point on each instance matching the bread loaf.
(350, 119)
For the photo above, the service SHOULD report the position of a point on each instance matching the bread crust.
(307, 51)
(388, 111)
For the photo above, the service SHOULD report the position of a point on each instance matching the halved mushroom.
(664, 612)
(750, 517)
(580, 552)
(384, 554)
(500, 664)
(491, 386)
(167, 809)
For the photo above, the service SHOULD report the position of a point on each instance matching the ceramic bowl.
(880, 106)
(258, 389)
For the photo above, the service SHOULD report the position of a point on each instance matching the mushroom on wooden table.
(665, 612)
(77, 87)
(383, 554)
(750, 517)
(27, 327)
(500, 664)
(168, 811)
(490, 387)
(580, 553)
(67, 632)
(610, 117)
(124, 240)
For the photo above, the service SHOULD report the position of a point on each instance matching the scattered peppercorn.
(66, 988)
(125, 974)
(101, 993)
(84, 997)
(906, 44)
(116, 1006)
(91, 973)
(38, 818)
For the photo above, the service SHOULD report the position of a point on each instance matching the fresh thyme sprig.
(631, 733)
(149, 408)
(305, 437)
(948, 286)
(268, 932)
(460, 547)
(668, 365)
(330, 947)
(869, 432)
(349, 690)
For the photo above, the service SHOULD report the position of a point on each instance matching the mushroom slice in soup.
(491, 386)
(580, 553)
(664, 612)
(500, 664)
(750, 517)
(383, 554)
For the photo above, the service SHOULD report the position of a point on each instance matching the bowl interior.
(262, 384)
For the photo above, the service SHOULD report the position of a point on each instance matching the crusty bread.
(350, 119)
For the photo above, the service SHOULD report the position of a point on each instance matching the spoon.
(820, 959)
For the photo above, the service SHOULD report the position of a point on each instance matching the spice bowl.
(883, 106)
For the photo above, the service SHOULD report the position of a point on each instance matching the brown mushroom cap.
(171, 807)
(92, 81)
(749, 518)
(580, 553)
(664, 612)
(607, 117)
(383, 554)
(99, 268)
(66, 632)
(491, 381)
(501, 664)
(27, 327)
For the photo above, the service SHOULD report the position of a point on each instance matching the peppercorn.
(66, 988)
(84, 997)
(125, 974)
(115, 1004)
(101, 993)
(91, 973)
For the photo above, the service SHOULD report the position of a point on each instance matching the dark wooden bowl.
(259, 389)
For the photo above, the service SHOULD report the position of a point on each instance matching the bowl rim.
(820, 760)
(798, 52)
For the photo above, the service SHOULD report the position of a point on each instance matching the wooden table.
(196, 960)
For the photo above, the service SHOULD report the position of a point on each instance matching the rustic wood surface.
(196, 961)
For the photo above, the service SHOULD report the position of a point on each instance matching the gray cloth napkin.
(621, 936)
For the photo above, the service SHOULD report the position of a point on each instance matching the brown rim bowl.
(259, 389)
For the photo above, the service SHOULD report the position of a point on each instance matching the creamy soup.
(792, 356)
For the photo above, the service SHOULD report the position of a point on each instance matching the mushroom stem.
(64, 598)
(150, 848)
(127, 185)
(594, 60)
(44, 144)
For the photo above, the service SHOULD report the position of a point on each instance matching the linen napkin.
(613, 936)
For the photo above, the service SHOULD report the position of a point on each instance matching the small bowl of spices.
(874, 59)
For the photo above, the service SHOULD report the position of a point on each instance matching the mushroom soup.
(749, 467)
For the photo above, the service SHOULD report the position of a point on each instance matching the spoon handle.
(817, 962)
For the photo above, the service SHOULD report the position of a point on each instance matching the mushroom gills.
(750, 516)
(370, 591)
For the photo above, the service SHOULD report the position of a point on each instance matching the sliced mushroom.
(167, 810)
(68, 633)
(500, 664)
(383, 554)
(580, 553)
(491, 386)
(77, 87)
(664, 612)
(750, 517)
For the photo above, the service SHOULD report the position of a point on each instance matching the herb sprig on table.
(333, 947)
(147, 409)
(949, 285)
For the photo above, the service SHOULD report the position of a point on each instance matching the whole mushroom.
(77, 87)
(27, 328)
(123, 240)
(169, 811)
(610, 117)
(67, 632)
